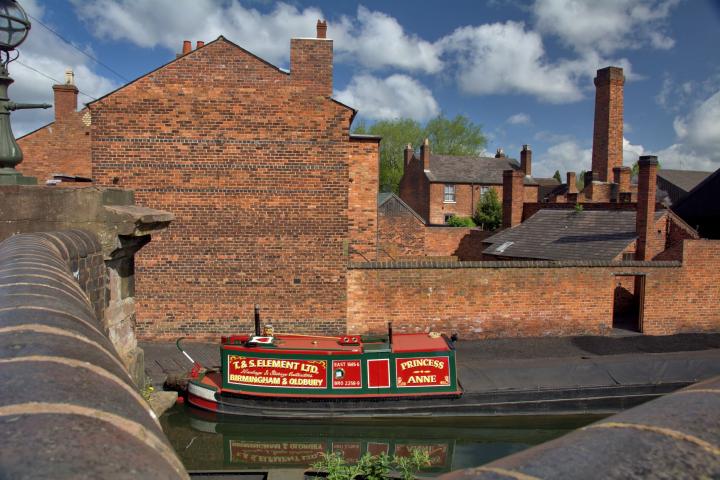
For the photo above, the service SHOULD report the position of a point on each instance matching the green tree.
(636, 168)
(557, 176)
(396, 134)
(488, 213)
(580, 181)
(457, 136)
(456, 221)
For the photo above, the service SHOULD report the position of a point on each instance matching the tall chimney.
(65, 97)
(526, 160)
(645, 219)
(607, 151)
(408, 154)
(187, 47)
(311, 62)
(425, 154)
(513, 196)
(571, 183)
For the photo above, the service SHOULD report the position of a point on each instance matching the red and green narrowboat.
(287, 375)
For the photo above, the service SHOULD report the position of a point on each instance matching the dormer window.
(449, 193)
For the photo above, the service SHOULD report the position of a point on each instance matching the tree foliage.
(457, 136)
(456, 221)
(488, 213)
(557, 176)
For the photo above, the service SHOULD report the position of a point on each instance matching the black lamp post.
(14, 27)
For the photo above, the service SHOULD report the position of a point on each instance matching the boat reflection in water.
(205, 441)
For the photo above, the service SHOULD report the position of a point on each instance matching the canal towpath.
(589, 363)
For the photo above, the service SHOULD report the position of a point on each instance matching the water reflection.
(207, 442)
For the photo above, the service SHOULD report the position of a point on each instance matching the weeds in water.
(372, 467)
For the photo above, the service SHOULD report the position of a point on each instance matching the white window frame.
(449, 192)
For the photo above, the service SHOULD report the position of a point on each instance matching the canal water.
(205, 442)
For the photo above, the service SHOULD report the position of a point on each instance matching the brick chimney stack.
(65, 97)
(187, 47)
(321, 29)
(408, 154)
(425, 154)
(199, 44)
(526, 160)
(645, 219)
(311, 62)
(513, 197)
(571, 183)
(607, 151)
(621, 176)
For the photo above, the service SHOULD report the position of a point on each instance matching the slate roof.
(384, 197)
(546, 186)
(700, 208)
(568, 235)
(684, 179)
(487, 170)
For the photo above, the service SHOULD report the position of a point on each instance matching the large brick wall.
(534, 298)
(254, 163)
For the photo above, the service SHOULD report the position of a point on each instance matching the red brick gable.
(255, 164)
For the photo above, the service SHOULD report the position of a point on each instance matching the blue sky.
(523, 70)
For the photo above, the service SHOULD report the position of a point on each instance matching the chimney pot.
(645, 218)
(199, 44)
(526, 160)
(499, 153)
(321, 29)
(69, 77)
(408, 154)
(571, 183)
(187, 47)
(513, 197)
(425, 154)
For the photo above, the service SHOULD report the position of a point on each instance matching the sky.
(523, 70)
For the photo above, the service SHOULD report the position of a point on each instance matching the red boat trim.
(279, 350)
(357, 397)
(202, 403)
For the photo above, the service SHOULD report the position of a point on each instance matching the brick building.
(271, 193)
(440, 186)
(63, 146)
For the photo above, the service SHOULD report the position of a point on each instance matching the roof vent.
(503, 247)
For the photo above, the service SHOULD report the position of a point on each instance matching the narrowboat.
(281, 375)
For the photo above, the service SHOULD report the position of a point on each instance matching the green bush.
(369, 467)
(456, 221)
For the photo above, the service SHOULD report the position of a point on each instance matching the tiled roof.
(487, 170)
(685, 179)
(546, 186)
(568, 235)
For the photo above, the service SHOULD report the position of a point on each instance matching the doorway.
(628, 302)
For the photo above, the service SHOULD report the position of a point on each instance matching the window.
(449, 193)
(484, 190)
(448, 216)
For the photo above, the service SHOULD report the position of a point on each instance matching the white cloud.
(631, 153)
(698, 138)
(393, 97)
(377, 40)
(505, 58)
(373, 39)
(519, 119)
(608, 25)
(46, 53)
(567, 156)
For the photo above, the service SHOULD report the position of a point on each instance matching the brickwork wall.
(254, 165)
(414, 187)
(401, 234)
(60, 147)
(364, 172)
(514, 299)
